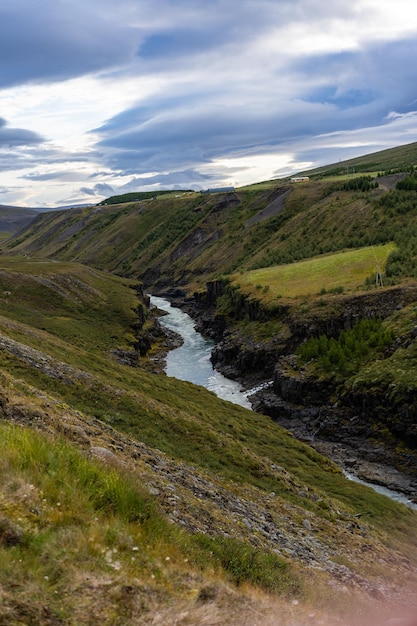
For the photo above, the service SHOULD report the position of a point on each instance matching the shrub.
(344, 354)
(408, 184)
(362, 183)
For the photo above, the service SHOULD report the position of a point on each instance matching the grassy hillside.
(400, 158)
(190, 239)
(64, 300)
(77, 540)
(83, 543)
(158, 409)
(343, 271)
(126, 493)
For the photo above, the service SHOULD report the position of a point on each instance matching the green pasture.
(334, 272)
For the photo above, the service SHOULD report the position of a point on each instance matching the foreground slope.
(81, 543)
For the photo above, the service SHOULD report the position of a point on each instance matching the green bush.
(408, 184)
(352, 347)
(362, 183)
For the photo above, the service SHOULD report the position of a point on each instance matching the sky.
(103, 97)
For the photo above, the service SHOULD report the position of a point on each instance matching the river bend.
(191, 361)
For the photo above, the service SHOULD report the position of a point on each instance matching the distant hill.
(135, 196)
(398, 158)
(190, 238)
(14, 219)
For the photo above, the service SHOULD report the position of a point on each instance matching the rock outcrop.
(379, 423)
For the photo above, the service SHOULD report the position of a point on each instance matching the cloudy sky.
(100, 97)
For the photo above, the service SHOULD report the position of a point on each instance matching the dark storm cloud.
(13, 137)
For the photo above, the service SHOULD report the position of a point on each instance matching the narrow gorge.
(352, 427)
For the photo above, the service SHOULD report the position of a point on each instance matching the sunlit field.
(344, 271)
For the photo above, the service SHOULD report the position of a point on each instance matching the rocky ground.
(204, 503)
(320, 428)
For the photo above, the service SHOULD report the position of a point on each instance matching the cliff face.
(220, 307)
(378, 419)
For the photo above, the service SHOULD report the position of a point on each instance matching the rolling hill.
(190, 239)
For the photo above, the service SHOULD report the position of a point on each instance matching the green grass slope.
(65, 300)
(342, 271)
(398, 158)
(256, 506)
(83, 543)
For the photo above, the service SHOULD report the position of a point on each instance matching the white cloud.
(124, 93)
(244, 170)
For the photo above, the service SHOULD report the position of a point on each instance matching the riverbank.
(367, 461)
(370, 462)
(356, 456)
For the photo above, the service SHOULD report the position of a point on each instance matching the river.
(191, 362)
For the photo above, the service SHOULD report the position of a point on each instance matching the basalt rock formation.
(375, 423)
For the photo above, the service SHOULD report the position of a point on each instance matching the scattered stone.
(73, 431)
(105, 455)
(307, 524)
